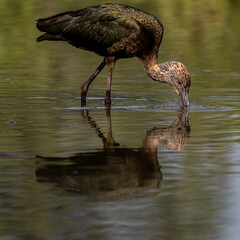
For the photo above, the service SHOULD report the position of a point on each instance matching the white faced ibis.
(117, 31)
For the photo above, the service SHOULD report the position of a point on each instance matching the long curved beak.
(184, 97)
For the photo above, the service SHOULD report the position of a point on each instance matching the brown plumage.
(117, 31)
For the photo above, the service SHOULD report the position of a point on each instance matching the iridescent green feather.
(103, 29)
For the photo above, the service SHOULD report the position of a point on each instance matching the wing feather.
(98, 32)
(95, 28)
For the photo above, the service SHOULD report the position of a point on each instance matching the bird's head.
(176, 75)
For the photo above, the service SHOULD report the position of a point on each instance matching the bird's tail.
(54, 24)
(50, 37)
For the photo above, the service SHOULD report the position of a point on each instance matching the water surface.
(146, 169)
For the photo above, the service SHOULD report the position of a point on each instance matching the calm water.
(144, 170)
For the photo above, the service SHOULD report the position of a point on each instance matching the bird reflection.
(115, 171)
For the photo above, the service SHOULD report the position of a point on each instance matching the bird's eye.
(180, 82)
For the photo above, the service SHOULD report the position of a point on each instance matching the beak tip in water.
(184, 99)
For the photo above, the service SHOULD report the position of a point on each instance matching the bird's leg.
(110, 61)
(85, 85)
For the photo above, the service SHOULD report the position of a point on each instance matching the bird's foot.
(83, 99)
(83, 104)
(108, 105)
(108, 98)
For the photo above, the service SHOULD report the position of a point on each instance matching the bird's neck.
(152, 68)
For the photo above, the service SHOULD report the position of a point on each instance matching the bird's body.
(116, 31)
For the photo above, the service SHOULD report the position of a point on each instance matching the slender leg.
(85, 86)
(110, 61)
